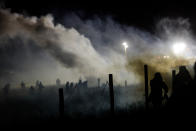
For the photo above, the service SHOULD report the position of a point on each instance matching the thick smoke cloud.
(86, 48)
(66, 46)
(144, 47)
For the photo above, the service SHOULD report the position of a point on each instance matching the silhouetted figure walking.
(98, 80)
(85, 84)
(157, 85)
(183, 77)
(58, 82)
(31, 90)
(71, 85)
(180, 100)
(182, 83)
(192, 97)
(23, 85)
(79, 83)
(67, 85)
(189, 89)
(41, 87)
(37, 84)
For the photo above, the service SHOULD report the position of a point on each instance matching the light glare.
(179, 48)
(125, 45)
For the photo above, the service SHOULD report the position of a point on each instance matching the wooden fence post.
(111, 94)
(61, 102)
(146, 85)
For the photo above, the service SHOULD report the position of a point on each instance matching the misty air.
(64, 63)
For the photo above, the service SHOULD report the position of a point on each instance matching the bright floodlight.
(125, 46)
(179, 48)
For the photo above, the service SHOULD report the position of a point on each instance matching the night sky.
(135, 13)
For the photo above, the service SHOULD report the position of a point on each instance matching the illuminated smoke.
(88, 48)
(33, 48)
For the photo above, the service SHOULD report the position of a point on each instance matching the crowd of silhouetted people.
(32, 88)
(183, 91)
(68, 85)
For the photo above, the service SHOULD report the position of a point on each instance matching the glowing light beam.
(125, 45)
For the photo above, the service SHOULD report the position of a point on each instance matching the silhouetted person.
(191, 93)
(183, 76)
(37, 84)
(79, 83)
(98, 80)
(6, 88)
(22, 85)
(157, 86)
(182, 83)
(58, 82)
(41, 86)
(85, 84)
(32, 89)
(180, 100)
(71, 85)
(67, 85)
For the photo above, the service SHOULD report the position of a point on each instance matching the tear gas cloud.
(39, 48)
(34, 48)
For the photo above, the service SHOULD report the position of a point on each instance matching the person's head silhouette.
(158, 76)
(195, 67)
(182, 69)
